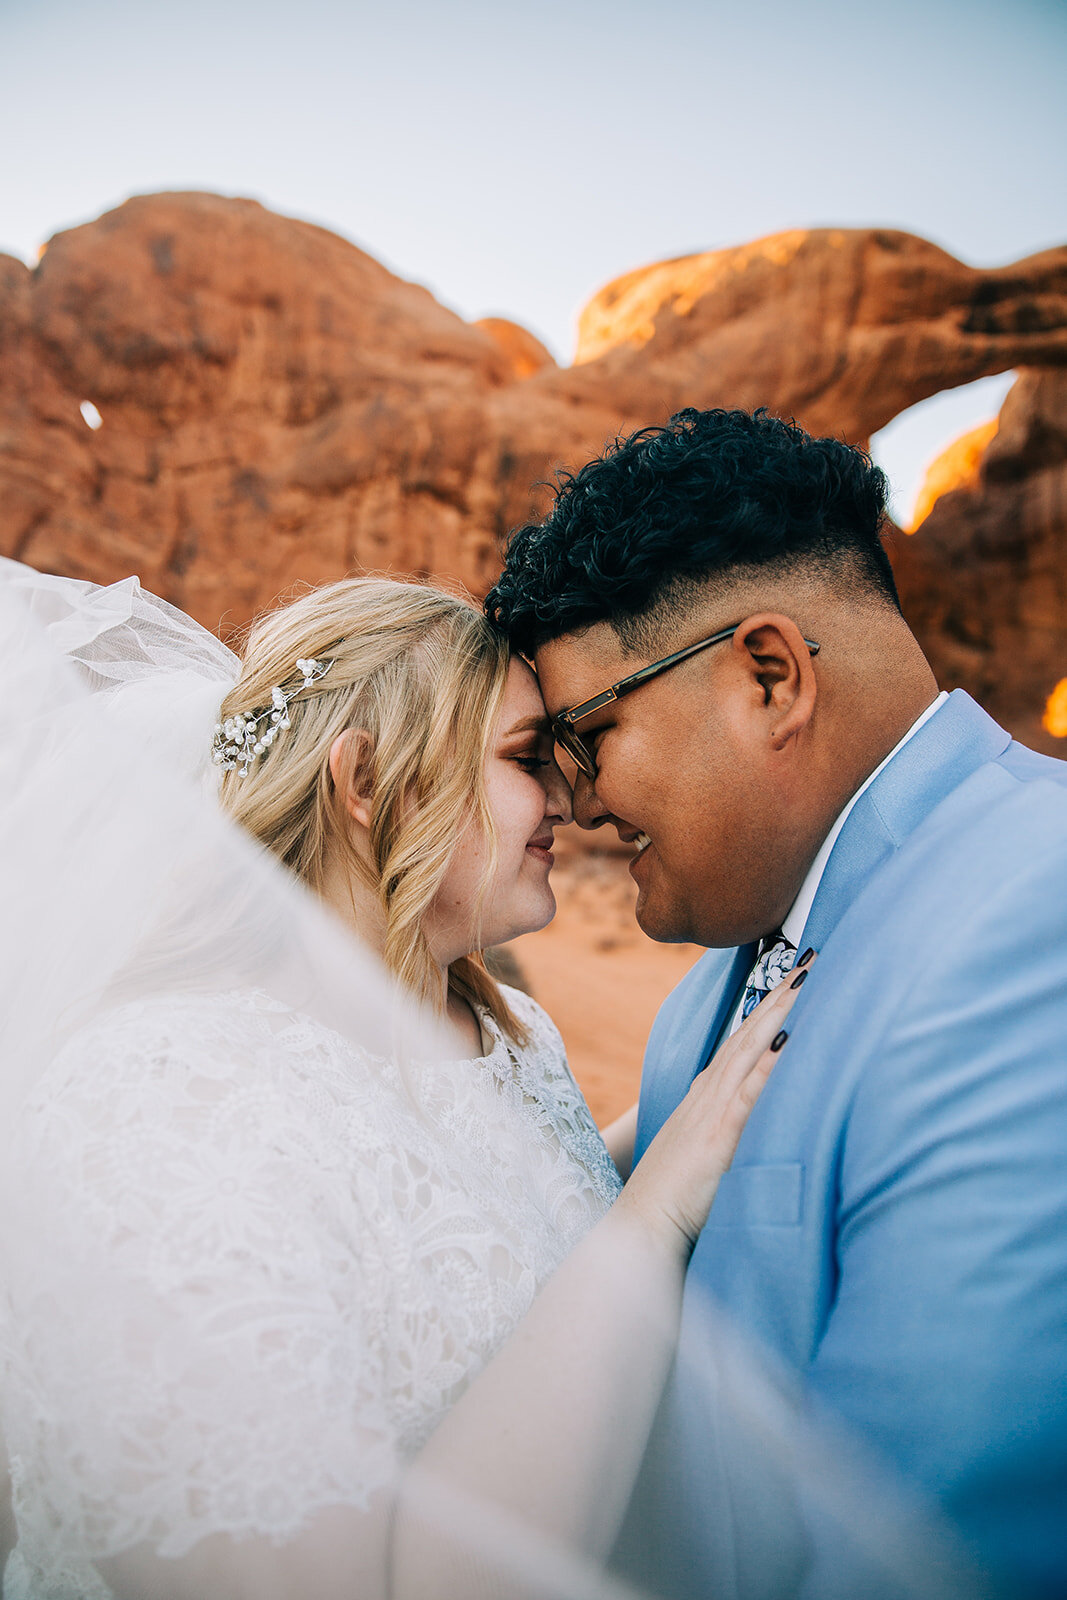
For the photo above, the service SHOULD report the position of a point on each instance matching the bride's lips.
(541, 847)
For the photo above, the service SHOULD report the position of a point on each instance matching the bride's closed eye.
(530, 763)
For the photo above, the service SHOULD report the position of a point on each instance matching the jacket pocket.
(761, 1195)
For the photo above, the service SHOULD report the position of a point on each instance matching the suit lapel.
(955, 742)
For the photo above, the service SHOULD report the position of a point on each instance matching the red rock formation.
(841, 328)
(277, 406)
(983, 580)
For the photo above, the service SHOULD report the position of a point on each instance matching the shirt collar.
(797, 915)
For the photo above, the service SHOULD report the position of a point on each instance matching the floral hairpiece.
(239, 740)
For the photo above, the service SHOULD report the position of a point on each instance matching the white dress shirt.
(797, 915)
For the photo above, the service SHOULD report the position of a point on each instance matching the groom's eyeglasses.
(563, 729)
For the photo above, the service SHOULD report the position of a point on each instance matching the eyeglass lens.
(575, 748)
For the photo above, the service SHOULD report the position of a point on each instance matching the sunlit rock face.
(1055, 718)
(524, 352)
(227, 402)
(983, 579)
(957, 467)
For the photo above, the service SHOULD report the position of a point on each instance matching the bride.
(307, 1293)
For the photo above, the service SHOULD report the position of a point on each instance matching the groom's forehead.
(577, 666)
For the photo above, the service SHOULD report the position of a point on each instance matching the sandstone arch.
(278, 406)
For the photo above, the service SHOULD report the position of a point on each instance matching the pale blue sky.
(515, 157)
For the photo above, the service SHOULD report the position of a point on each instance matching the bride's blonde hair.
(423, 673)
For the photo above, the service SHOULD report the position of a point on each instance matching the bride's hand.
(674, 1184)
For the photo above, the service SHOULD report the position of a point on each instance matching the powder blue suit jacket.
(894, 1227)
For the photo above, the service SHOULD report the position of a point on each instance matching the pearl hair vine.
(239, 740)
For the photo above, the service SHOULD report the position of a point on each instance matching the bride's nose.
(559, 802)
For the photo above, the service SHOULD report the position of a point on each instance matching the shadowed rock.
(983, 579)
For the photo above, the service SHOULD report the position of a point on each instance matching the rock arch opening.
(930, 435)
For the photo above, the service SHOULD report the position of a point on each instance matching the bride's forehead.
(522, 694)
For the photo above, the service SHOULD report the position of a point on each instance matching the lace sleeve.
(204, 1350)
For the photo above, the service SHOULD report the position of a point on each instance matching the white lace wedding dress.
(295, 1256)
(256, 1235)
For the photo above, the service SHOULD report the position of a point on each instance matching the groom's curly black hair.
(639, 530)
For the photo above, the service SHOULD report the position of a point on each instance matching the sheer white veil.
(121, 873)
(122, 880)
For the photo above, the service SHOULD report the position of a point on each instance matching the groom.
(717, 635)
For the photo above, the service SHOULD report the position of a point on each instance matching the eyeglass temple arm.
(637, 678)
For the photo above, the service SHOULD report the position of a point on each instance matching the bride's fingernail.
(779, 1040)
(798, 980)
(806, 957)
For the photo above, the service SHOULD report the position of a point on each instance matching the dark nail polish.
(806, 957)
(798, 980)
(779, 1040)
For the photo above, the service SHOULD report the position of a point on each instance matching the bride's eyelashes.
(531, 764)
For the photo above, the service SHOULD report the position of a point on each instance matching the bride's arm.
(544, 1447)
(551, 1435)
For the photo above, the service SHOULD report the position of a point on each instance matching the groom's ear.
(774, 656)
(352, 771)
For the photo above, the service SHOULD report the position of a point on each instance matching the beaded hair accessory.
(239, 740)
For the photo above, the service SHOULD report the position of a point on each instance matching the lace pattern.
(280, 1268)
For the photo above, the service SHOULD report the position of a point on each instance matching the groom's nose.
(588, 810)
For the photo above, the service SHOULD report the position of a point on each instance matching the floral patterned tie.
(775, 960)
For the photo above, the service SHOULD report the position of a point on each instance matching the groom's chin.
(666, 924)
